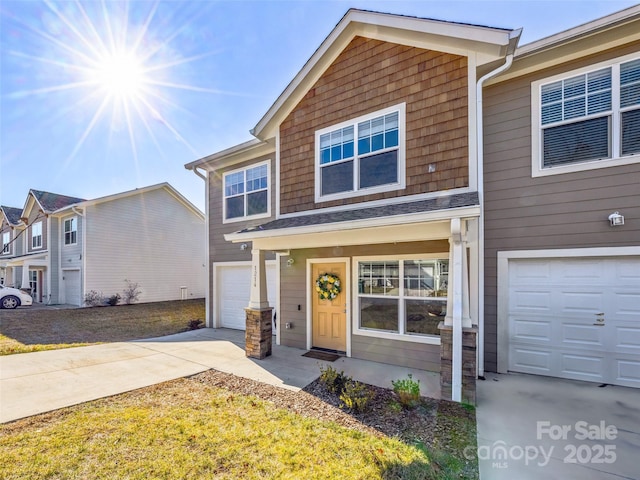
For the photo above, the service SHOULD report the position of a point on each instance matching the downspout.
(207, 297)
(514, 36)
(83, 282)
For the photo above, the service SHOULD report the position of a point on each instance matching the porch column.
(258, 313)
(458, 340)
(25, 276)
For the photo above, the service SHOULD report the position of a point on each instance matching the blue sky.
(205, 73)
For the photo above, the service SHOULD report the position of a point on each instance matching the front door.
(329, 322)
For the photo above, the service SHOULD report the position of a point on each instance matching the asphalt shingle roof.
(53, 201)
(13, 214)
(430, 205)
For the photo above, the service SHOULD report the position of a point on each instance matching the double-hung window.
(36, 235)
(6, 243)
(401, 297)
(364, 155)
(246, 193)
(587, 119)
(70, 231)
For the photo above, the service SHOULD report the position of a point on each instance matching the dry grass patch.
(190, 429)
(26, 330)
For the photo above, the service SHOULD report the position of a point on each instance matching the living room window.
(246, 193)
(70, 231)
(588, 118)
(6, 243)
(401, 298)
(361, 156)
(36, 235)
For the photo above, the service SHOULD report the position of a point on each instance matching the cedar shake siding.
(563, 211)
(367, 76)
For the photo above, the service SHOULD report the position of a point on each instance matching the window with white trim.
(246, 193)
(36, 235)
(404, 297)
(71, 231)
(362, 156)
(6, 243)
(588, 118)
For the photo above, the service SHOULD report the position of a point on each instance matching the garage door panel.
(71, 285)
(583, 324)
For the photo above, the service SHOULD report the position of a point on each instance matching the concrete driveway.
(532, 427)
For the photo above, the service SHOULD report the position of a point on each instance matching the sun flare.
(120, 75)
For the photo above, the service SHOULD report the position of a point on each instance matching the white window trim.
(536, 138)
(64, 232)
(33, 237)
(402, 173)
(9, 244)
(431, 340)
(245, 217)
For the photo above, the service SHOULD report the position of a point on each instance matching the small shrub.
(93, 299)
(408, 390)
(113, 299)
(195, 324)
(131, 292)
(355, 395)
(333, 380)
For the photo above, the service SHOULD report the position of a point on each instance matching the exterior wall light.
(243, 247)
(290, 261)
(616, 219)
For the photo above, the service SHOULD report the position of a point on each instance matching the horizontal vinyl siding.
(70, 256)
(152, 239)
(396, 352)
(559, 211)
(293, 292)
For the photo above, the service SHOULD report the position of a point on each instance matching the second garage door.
(234, 284)
(576, 318)
(71, 285)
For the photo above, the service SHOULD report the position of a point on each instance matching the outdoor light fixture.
(244, 246)
(616, 219)
(290, 261)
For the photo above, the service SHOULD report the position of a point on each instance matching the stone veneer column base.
(258, 334)
(469, 346)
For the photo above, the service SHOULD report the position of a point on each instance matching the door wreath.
(328, 286)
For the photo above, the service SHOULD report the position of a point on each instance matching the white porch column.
(454, 306)
(25, 275)
(258, 299)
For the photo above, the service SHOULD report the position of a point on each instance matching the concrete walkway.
(32, 383)
(532, 427)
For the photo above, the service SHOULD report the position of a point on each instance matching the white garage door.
(71, 285)
(576, 318)
(234, 284)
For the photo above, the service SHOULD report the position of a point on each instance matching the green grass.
(188, 430)
(29, 330)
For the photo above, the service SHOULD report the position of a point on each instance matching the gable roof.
(488, 43)
(11, 214)
(50, 202)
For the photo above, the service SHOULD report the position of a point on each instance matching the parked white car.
(13, 298)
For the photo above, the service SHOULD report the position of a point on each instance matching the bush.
(93, 299)
(113, 299)
(131, 292)
(333, 380)
(408, 390)
(355, 395)
(195, 324)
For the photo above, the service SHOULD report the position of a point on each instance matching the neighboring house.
(365, 168)
(11, 228)
(562, 154)
(68, 247)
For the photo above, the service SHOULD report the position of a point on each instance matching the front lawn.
(29, 330)
(195, 428)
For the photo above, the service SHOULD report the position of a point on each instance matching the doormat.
(327, 357)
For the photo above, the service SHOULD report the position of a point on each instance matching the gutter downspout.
(515, 34)
(207, 297)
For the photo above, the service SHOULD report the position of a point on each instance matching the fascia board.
(236, 154)
(398, 220)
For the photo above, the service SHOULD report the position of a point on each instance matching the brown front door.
(329, 316)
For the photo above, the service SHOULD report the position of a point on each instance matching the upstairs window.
(36, 235)
(587, 120)
(364, 155)
(246, 193)
(71, 231)
(6, 243)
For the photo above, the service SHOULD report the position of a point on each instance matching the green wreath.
(328, 286)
